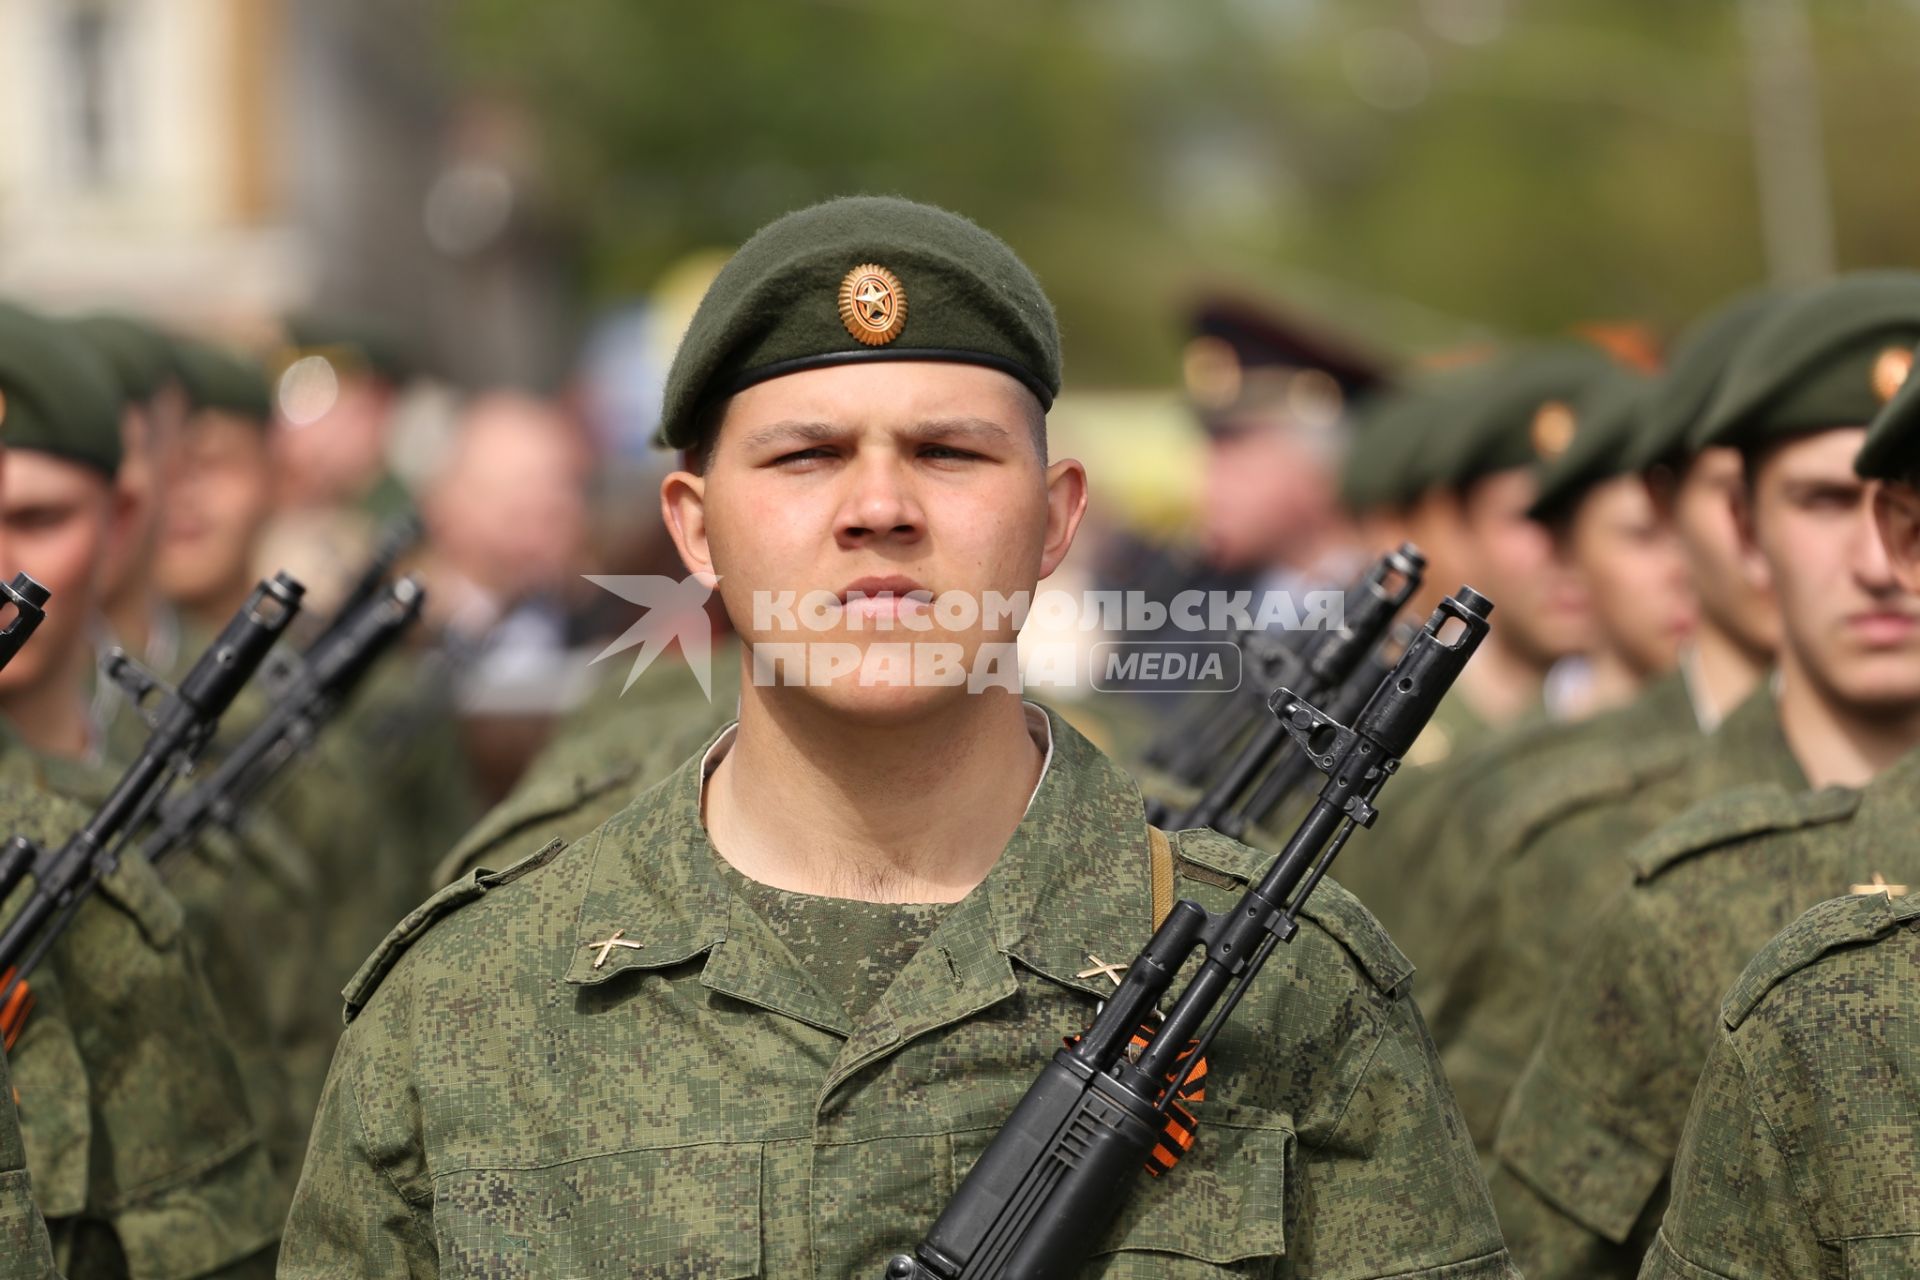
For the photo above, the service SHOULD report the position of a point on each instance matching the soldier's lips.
(885, 597)
(1883, 628)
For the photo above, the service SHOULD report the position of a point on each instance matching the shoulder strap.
(1162, 854)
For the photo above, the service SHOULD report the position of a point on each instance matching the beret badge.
(1890, 370)
(873, 306)
(1553, 429)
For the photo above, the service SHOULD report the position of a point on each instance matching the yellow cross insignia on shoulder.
(1879, 885)
(1112, 971)
(606, 948)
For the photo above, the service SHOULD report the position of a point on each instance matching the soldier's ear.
(683, 506)
(1066, 505)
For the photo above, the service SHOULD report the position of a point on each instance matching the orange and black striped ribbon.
(13, 1015)
(1177, 1138)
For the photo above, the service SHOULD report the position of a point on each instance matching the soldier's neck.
(1836, 743)
(810, 801)
(50, 715)
(1500, 684)
(1720, 672)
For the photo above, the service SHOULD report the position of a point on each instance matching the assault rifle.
(312, 692)
(1370, 609)
(28, 600)
(182, 726)
(1052, 1181)
(1294, 770)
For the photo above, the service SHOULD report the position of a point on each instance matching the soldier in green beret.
(152, 410)
(145, 1158)
(1588, 1136)
(1478, 463)
(1606, 529)
(1798, 1155)
(1537, 830)
(762, 1020)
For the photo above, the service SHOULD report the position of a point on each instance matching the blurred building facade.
(219, 162)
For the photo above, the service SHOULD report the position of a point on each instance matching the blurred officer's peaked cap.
(857, 279)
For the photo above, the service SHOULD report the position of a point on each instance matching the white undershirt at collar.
(1039, 728)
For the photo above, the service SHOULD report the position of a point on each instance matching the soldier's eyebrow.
(791, 433)
(957, 429)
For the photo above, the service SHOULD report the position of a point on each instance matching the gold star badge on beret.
(873, 306)
(1890, 370)
(1553, 429)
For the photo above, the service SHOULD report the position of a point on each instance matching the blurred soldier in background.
(1797, 1158)
(144, 1155)
(1274, 398)
(506, 523)
(1480, 453)
(1607, 531)
(1588, 1137)
(152, 410)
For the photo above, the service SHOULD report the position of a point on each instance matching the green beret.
(1390, 428)
(222, 380)
(353, 341)
(56, 394)
(1892, 450)
(1694, 372)
(1605, 424)
(141, 355)
(1829, 356)
(855, 279)
(1508, 414)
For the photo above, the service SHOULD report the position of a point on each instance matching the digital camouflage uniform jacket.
(24, 1251)
(1589, 1135)
(1799, 1157)
(1559, 845)
(504, 1104)
(145, 1160)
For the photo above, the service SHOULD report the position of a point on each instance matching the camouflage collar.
(1072, 885)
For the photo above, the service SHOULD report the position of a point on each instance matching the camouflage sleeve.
(1390, 1185)
(1588, 1134)
(24, 1251)
(1735, 1213)
(350, 1216)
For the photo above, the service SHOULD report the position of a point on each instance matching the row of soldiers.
(1580, 889)
(167, 1054)
(1599, 879)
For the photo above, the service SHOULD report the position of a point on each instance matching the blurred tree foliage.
(1419, 172)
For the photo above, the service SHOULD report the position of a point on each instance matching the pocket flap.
(654, 1215)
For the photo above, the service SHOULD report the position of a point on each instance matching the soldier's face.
(1850, 628)
(1269, 495)
(912, 480)
(1512, 560)
(220, 502)
(58, 520)
(1896, 509)
(1706, 499)
(1635, 574)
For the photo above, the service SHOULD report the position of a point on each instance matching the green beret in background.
(141, 355)
(1829, 356)
(1694, 373)
(856, 279)
(1605, 420)
(355, 343)
(1508, 413)
(1390, 429)
(218, 379)
(1892, 450)
(59, 395)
